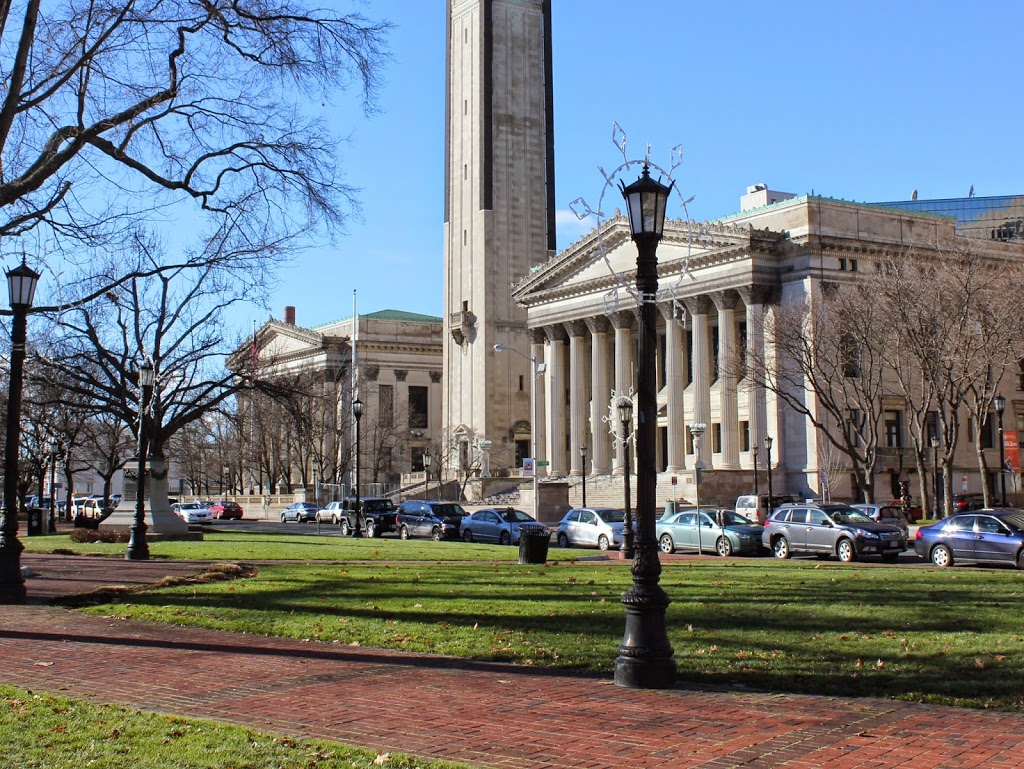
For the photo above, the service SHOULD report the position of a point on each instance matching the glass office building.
(1000, 217)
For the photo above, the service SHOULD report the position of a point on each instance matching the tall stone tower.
(499, 215)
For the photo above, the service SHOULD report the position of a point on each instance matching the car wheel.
(371, 529)
(334, 520)
(1020, 560)
(403, 533)
(284, 518)
(890, 557)
(666, 544)
(436, 535)
(781, 548)
(505, 538)
(846, 551)
(941, 556)
(602, 542)
(345, 530)
(467, 536)
(563, 540)
(723, 547)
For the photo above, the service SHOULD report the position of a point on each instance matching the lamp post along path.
(625, 408)
(357, 412)
(1000, 404)
(645, 655)
(768, 464)
(21, 284)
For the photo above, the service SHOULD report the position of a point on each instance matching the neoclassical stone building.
(714, 292)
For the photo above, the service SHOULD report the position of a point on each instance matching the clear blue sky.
(864, 101)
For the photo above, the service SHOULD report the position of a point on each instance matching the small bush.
(89, 535)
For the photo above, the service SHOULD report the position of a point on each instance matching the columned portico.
(578, 377)
(725, 301)
(756, 407)
(600, 394)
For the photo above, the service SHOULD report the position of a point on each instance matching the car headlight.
(865, 534)
(745, 537)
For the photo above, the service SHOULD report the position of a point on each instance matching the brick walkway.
(486, 715)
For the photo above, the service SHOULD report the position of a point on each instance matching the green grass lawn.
(42, 731)
(221, 544)
(943, 636)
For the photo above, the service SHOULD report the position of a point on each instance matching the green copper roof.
(413, 317)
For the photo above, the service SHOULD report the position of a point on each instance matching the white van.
(755, 506)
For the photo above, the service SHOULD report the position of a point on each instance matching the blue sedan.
(501, 525)
(980, 536)
(721, 531)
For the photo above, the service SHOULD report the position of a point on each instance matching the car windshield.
(848, 515)
(729, 518)
(515, 516)
(449, 511)
(612, 516)
(1014, 520)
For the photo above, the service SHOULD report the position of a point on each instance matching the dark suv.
(826, 530)
(376, 516)
(429, 518)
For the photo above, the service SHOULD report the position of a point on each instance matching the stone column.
(753, 298)
(729, 418)
(579, 428)
(676, 381)
(538, 421)
(600, 396)
(623, 322)
(555, 398)
(699, 307)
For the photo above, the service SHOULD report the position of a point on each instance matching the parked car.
(963, 503)
(755, 507)
(192, 512)
(429, 518)
(599, 527)
(502, 525)
(300, 512)
(890, 514)
(721, 531)
(330, 513)
(376, 516)
(226, 509)
(989, 535)
(826, 530)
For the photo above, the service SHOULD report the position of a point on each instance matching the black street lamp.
(768, 459)
(583, 456)
(935, 477)
(757, 493)
(357, 412)
(138, 547)
(53, 491)
(645, 656)
(1000, 403)
(625, 409)
(21, 283)
(427, 459)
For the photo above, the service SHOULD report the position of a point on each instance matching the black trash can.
(533, 545)
(35, 521)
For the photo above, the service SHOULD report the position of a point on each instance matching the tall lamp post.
(138, 548)
(768, 459)
(757, 492)
(625, 409)
(935, 477)
(697, 431)
(538, 369)
(645, 655)
(53, 492)
(21, 284)
(357, 412)
(583, 456)
(1000, 403)
(427, 459)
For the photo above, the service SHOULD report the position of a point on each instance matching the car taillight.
(918, 535)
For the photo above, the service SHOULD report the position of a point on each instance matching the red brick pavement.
(486, 715)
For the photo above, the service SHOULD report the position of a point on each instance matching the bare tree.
(122, 118)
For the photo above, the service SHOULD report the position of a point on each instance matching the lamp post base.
(645, 657)
(138, 547)
(12, 582)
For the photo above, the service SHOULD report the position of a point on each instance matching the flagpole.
(355, 374)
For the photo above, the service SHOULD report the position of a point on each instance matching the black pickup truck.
(376, 516)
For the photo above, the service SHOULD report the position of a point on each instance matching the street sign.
(542, 463)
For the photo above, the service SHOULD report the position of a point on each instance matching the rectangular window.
(418, 407)
(521, 383)
(842, 265)
(716, 437)
(744, 436)
(714, 354)
(386, 404)
(988, 431)
(893, 429)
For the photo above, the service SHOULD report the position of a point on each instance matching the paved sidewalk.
(483, 714)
